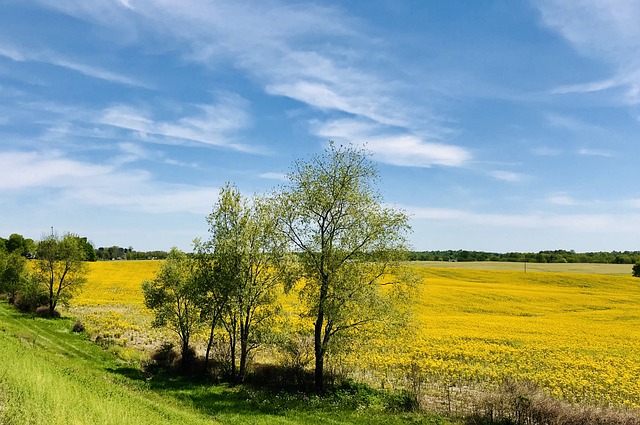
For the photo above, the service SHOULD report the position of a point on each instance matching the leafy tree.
(173, 297)
(88, 249)
(347, 243)
(18, 243)
(13, 274)
(60, 267)
(636, 270)
(247, 251)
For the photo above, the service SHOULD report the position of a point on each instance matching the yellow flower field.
(111, 304)
(576, 335)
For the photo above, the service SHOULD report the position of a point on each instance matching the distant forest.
(557, 256)
(27, 247)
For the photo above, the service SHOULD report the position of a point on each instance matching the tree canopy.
(60, 267)
(347, 242)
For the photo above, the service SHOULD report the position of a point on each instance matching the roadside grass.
(50, 375)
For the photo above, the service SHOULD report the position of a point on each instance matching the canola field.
(575, 335)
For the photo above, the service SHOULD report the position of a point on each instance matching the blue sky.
(496, 125)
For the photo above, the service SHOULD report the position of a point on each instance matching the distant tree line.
(120, 253)
(556, 256)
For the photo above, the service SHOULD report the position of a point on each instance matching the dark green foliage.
(13, 274)
(636, 270)
(556, 256)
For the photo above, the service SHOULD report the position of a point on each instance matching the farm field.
(575, 333)
(584, 268)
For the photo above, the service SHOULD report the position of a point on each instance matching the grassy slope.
(50, 375)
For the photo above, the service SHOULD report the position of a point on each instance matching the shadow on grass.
(250, 403)
(199, 392)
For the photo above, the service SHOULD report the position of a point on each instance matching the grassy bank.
(49, 374)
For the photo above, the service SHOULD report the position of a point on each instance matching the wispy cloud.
(20, 170)
(273, 176)
(595, 152)
(99, 185)
(508, 176)
(25, 55)
(575, 222)
(561, 198)
(397, 149)
(606, 31)
(213, 125)
(295, 58)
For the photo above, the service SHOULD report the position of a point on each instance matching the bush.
(44, 311)
(164, 358)
(30, 296)
(636, 270)
(78, 327)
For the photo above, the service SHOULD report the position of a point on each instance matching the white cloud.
(408, 150)
(606, 31)
(573, 222)
(401, 149)
(287, 48)
(210, 125)
(508, 176)
(561, 199)
(99, 185)
(273, 176)
(20, 170)
(595, 152)
(25, 55)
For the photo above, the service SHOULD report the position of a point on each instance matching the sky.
(496, 125)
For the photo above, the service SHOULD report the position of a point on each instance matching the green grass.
(50, 375)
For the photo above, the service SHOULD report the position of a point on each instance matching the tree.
(173, 297)
(13, 274)
(247, 251)
(88, 249)
(636, 270)
(17, 243)
(347, 243)
(60, 267)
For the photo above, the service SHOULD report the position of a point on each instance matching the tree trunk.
(319, 339)
(184, 361)
(210, 343)
(319, 353)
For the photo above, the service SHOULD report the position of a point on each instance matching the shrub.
(636, 270)
(164, 357)
(78, 327)
(44, 311)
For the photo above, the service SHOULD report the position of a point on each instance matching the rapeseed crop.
(577, 336)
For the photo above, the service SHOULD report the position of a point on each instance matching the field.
(574, 331)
